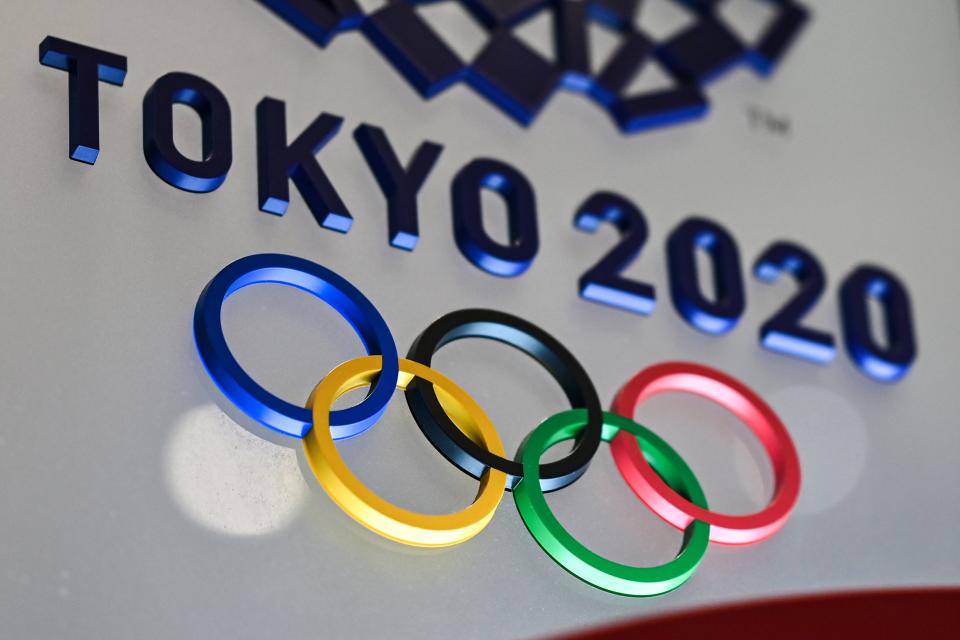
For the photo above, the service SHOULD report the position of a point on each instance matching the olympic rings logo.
(460, 430)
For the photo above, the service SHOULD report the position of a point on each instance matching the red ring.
(746, 405)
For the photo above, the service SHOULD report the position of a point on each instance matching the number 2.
(603, 282)
(783, 332)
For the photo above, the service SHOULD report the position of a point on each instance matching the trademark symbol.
(764, 120)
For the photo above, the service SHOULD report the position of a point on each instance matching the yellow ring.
(369, 509)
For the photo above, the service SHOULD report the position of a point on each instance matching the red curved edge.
(889, 613)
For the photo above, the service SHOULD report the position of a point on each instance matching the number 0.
(889, 360)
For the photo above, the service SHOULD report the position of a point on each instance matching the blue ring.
(255, 401)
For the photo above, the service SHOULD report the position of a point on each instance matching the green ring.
(576, 558)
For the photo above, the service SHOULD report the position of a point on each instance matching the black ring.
(539, 345)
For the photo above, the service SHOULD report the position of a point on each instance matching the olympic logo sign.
(520, 81)
(460, 430)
